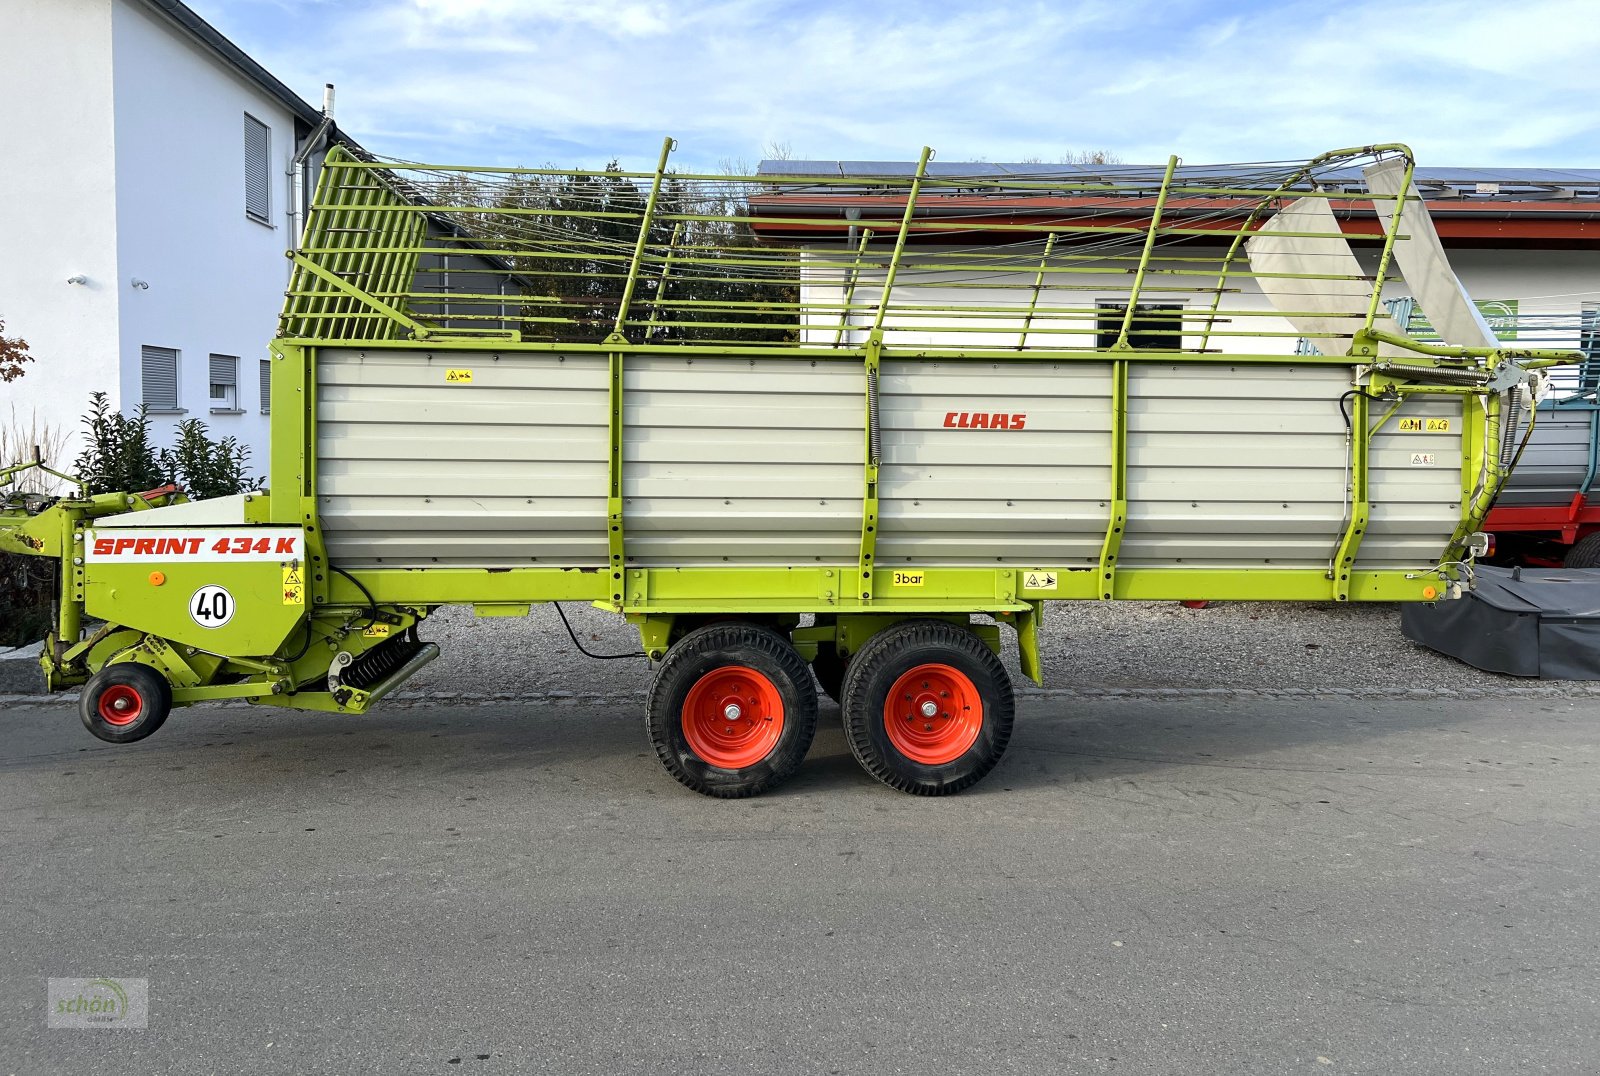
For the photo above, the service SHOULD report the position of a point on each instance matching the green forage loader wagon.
(824, 425)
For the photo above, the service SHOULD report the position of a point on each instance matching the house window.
(224, 383)
(1155, 326)
(159, 372)
(266, 387)
(257, 182)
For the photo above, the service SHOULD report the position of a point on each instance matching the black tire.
(829, 668)
(719, 650)
(125, 702)
(897, 653)
(1585, 552)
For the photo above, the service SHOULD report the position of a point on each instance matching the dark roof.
(211, 39)
(1516, 184)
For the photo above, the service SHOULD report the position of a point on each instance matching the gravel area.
(1089, 647)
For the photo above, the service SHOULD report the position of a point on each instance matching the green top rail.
(1038, 262)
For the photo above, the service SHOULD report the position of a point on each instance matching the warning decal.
(1038, 580)
(193, 545)
(458, 377)
(1425, 425)
(1424, 459)
(294, 585)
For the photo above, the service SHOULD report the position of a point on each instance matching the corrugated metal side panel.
(507, 471)
(1415, 506)
(740, 461)
(1555, 462)
(1038, 495)
(1234, 466)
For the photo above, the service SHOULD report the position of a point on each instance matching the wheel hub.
(933, 714)
(733, 717)
(120, 705)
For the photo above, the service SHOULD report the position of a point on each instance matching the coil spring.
(1510, 418)
(872, 417)
(377, 664)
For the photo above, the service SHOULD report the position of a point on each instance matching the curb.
(1575, 690)
(20, 672)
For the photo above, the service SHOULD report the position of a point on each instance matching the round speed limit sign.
(211, 607)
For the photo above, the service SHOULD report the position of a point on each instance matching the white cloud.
(532, 81)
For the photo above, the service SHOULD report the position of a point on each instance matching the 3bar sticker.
(211, 607)
(193, 545)
(909, 579)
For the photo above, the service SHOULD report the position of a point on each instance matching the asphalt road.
(1227, 884)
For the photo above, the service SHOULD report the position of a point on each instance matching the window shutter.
(159, 367)
(266, 387)
(257, 152)
(224, 370)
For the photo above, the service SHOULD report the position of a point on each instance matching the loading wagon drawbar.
(804, 423)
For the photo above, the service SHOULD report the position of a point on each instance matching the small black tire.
(751, 670)
(931, 663)
(125, 702)
(829, 668)
(1585, 552)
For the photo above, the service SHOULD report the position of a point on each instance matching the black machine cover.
(1540, 622)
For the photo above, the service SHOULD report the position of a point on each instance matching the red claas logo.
(983, 420)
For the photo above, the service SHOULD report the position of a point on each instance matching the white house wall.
(58, 209)
(1550, 286)
(216, 277)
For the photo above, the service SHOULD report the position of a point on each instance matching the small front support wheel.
(927, 707)
(125, 702)
(732, 710)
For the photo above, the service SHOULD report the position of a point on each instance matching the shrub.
(118, 457)
(204, 467)
(26, 592)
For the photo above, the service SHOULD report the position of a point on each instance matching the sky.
(580, 82)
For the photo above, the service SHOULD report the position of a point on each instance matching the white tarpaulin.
(1423, 263)
(1336, 300)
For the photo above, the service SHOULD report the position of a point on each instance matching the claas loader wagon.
(827, 427)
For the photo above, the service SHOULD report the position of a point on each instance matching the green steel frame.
(355, 283)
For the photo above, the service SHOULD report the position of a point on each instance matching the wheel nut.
(732, 712)
(929, 708)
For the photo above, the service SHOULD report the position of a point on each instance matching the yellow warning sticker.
(1038, 580)
(458, 377)
(1425, 425)
(909, 579)
(376, 631)
(294, 584)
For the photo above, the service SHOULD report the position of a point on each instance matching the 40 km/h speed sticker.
(211, 607)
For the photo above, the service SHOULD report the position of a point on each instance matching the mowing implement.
(804, 428)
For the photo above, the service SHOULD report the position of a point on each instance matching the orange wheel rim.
(933, 714)
(733, 717)
(120, 705)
